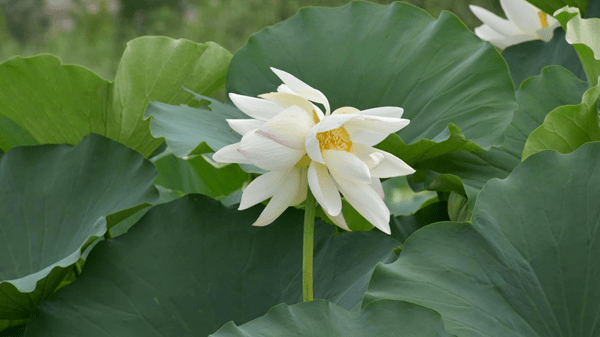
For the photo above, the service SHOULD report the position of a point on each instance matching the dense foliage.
(116, 221)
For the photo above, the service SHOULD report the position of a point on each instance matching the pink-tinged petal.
(372, 130)
(384, 111)
(256, 107)
(268, 154)
(523, 14)
(347, 165)
(339, 221)
(367, 202)
(312, 145)
(500, 25)
(230, 154)
(377, 187)
(287, 100)
(384, 165)
(242, 126)
(289, 127)
(302, 188)
(282, 199)
(323, 188)
(302, 88)
(262, 188)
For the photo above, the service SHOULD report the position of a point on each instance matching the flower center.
(543, 19)
(336, 139)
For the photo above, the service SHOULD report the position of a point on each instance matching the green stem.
(307, 254)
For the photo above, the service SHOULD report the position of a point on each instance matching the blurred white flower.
(301, 146)
(525, 23)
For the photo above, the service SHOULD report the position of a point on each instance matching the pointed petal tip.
(279, 72)
(260, 223)
(339, 221)
(334, 214)
(230, 154)
(235, 97)
(409, 170)
(386, 230)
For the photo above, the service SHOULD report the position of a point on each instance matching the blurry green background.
(93, 33)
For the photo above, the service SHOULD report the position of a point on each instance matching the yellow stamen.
(543, 19)
(304, 161)
(336, 139)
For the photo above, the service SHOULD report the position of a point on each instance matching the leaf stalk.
(308, 247)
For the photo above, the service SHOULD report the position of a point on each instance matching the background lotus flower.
(525, 23)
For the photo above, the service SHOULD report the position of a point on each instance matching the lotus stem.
(308, 244)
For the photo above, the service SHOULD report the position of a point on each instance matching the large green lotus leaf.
(551, 6)
(529, 58)
(592, 10)
(58, 103)
(157, 69)
(538, 95)
(321, 318)
(583, 35)
(11, 135)
(527, 265)
(188, 130)
(54, 103)
(404, 226)
(425, 149)
(192, 265)
(199, 175)
(567, 127)
(367, 55)
(54, 198)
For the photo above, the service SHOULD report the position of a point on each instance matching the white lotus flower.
(525, 23)
(301, 146)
